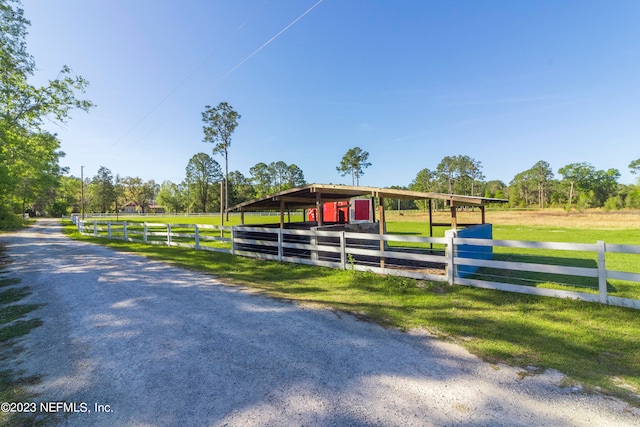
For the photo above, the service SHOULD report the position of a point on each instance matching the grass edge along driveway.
(596, 346)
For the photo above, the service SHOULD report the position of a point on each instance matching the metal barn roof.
(308, 195)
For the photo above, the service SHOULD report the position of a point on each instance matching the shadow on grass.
(13, 383)
(543, 279)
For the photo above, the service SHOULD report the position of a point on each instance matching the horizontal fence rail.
(564, 270)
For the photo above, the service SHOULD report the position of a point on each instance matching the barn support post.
(281, 214)
(319, 210)
(241, 217)
(431, 222)
(483, 214)
(454, 217)
(373, 209)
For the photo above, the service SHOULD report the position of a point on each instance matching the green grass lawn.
(614, 261)
(595, 345)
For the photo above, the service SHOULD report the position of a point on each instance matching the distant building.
(133, 207)
(155, 208)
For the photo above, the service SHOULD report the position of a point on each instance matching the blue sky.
(505, 82)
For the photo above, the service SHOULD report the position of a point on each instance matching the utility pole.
(82, 192)
(222, 200)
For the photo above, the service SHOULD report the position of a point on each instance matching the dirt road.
(160, 346)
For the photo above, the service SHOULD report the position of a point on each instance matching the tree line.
(204, 187)
(579, 185)
(30, 171)
(199, 191)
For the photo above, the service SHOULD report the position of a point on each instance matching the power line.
(251, 55)
(269, 41)
(186, 78)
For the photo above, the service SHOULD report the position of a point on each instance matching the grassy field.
(595, 345)
(417, 222)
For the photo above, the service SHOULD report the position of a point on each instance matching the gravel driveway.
(161, 346)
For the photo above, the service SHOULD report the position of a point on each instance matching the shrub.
(9, 220)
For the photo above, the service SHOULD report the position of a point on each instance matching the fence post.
(602, 272)
(313, 240)
(109, 230)
(145, 233)
(233, 240)
(343, 251)
(95, 228)
(450, 253)
(124, 230)
(280, 245)
(168, 234)
(197, 236)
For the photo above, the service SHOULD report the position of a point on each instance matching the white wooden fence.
(435, 259)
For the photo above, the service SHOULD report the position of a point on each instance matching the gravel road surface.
(161, 346)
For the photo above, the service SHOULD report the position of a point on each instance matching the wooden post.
(454, 218)
(382, 220)
(241, 217)
(221, 206)
(431, 222)
(373, 209)
(482, 213)
(319, 210)
(281, 213)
